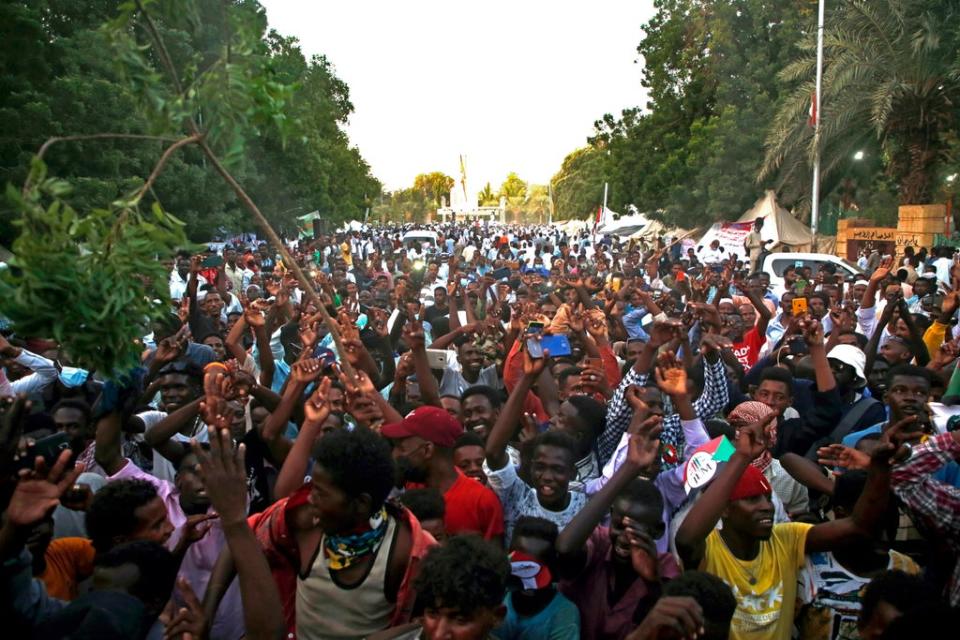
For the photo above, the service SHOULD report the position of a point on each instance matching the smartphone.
(413, 389)
(798, 264)
(616, 283)
(798, 346)
(558, 345)
(800, 286)
(799, 306)
(49, 448)
(212, 261)
(594, 363)
(437, 358)
(534, 328)
(534, 347)
(501, 273)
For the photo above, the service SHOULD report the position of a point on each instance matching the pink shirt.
(200, 558)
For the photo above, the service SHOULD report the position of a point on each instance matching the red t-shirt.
(748, 351)
(472, 508)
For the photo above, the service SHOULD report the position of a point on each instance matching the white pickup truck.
(774, 264)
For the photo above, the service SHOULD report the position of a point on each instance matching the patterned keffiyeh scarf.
(342, 551)
(747, 413)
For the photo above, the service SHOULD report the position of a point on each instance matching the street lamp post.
(815, 196)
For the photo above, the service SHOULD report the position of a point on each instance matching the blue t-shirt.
(947, 474)
(559, 620)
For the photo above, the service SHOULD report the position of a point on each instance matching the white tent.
(778, 225)
(625, 225)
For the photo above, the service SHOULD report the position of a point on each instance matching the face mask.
(73, 377)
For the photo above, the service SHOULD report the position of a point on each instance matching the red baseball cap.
(430, 423)
(751, 483)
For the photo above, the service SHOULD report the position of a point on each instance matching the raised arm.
(414, 337)
(107, 451)
(297, 463)
(642, 452)
(916, 337)
(870, 506)
(807, 472)
(503, 430)
(225, 480)
(160, 436)
(874, 342)
(692, 535)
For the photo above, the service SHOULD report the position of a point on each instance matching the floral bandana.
(343, 551)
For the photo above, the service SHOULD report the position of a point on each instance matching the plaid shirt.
(934, 505)
(715, 395)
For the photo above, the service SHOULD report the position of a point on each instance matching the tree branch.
(163, 160)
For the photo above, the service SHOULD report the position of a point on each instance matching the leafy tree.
(891, 84)
(692, 155)
(513, 187)
(59, 76)
(578, 186)
(487, 197)
(434, 186)
(203, 81)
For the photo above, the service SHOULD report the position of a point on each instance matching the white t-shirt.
(163, 468)
(520, 499)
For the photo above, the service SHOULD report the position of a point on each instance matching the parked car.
(774, 264)
(426, 240)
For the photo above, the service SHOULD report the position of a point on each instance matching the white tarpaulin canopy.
(778, 225)
(625, 225)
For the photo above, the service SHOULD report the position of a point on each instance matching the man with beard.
(760, 560)
(423, 445)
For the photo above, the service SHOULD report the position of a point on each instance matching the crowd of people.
(509, 432)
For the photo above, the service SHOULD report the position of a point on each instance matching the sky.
(511, 85)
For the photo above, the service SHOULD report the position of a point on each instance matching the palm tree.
(891, 79)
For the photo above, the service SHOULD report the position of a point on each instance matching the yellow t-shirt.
(765, 587)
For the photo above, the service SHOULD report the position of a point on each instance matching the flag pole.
(815, 196)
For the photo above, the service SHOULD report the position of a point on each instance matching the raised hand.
(643, 447)
(812, 331)
(316, 408)
(172, 347)
(893, 441)
(215, 408)
(671, 617)
(189, 621)
(670, 375)
(840, 456)
(413, 335)
(882, 271)
(664, 331)
(533, 366)
(643, 550)
(224, 476)
(39, 491)
(714, 343)
(634, 397)
(195, 528)
(752, 438)
(306, 371)
(597, 325)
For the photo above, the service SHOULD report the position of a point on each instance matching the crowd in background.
(516, 433)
